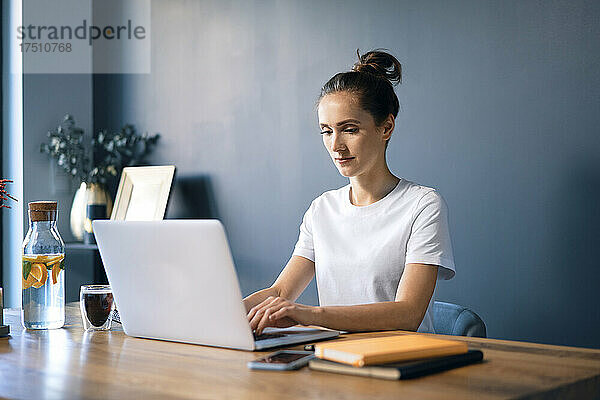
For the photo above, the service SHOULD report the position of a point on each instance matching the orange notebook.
(361, 352)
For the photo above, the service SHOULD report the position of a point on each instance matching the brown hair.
(372, 79)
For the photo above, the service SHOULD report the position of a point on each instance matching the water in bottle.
(43, 266)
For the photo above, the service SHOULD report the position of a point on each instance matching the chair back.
(452, 319)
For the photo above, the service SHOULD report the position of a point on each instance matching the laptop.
(175, 280)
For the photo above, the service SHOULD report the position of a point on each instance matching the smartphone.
(283, 360)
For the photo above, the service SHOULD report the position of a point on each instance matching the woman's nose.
(337, 143)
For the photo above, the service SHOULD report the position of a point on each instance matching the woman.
(377, 245)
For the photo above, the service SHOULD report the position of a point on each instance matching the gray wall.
(46, 100)
(499, 112)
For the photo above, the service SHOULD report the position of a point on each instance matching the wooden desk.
(68, 363)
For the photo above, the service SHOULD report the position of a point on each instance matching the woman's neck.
(367, 189)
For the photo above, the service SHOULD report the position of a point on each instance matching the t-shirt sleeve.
(305, 247)
(429, 241)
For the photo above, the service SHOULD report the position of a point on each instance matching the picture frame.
(143, 193)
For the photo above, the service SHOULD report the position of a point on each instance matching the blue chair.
(452, 319)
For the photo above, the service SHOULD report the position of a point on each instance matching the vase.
(88, 193)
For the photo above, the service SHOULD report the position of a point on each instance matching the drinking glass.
(96, 304)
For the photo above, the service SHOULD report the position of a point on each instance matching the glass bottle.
(43, 269)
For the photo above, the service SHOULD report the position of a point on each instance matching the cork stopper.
(43, 211)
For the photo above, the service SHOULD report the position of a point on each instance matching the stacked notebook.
(393, 357)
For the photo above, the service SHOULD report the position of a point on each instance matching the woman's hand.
(280, 313)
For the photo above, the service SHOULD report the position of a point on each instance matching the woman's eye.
(347, 130)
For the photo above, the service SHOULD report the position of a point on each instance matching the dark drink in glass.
(96, 304)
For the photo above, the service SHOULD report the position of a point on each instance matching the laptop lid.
(174, 280)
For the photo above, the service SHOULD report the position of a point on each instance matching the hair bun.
(379, 63)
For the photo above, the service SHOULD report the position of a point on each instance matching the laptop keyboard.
(117, 318)
(264, 336)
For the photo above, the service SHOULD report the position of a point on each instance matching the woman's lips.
(344, 160)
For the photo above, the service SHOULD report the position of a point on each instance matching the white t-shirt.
(360, 252)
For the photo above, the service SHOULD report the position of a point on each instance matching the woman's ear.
(388, 127)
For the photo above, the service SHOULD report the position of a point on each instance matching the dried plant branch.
(4, 195)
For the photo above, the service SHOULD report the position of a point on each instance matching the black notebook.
(401, 370)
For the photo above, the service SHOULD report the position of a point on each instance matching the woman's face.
(354, 142)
